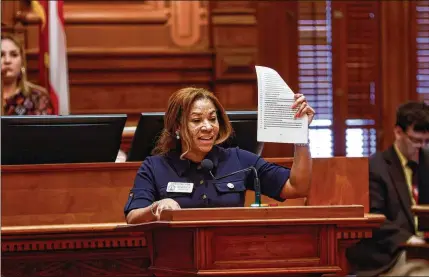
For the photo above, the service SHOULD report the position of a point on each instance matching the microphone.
(208, 165)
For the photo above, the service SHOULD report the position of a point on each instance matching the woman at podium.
(190, 170)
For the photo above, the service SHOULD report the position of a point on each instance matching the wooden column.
(398, 63)
(339, 76)
(8, 13)
(10, 10)
(233, 42)
(278, 39)
(278, 49)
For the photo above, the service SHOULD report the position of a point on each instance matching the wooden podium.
(269, 241)
(255, 241)
(62, 220)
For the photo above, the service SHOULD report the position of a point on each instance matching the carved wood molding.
(129, 80)
(131, 59)
(237, 64)
(234, 38)
(95, 263)
(187, 18)
(73, 250)
(71, 244)
(104, 67)
(353, 234)
(86, 241)
(234, 16)
(76, 12)
(234, 20)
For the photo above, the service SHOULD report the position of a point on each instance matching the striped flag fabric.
(53, 63)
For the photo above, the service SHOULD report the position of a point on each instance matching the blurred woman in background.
(20, 97)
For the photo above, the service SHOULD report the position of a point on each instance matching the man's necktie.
(414, 180)
(415, 190)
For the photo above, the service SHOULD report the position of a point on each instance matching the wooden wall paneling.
(97, 192)
(105, 12)
(363, 57)
(340, 181)
(413, 65)
(129, 56)
(233, 38)
(10, 10)
(278, 39)
(188, 23)
(66, 194)
(150, 25)
(356, 71)
(364, 71)
(336, 181)
(277, 44)
(129, 81)
(8, 13)
(339, 79)
(398, 62)
(93, 24)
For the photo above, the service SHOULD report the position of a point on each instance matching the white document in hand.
(276, 118)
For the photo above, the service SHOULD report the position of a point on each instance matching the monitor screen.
(60, 139)
(150, 126)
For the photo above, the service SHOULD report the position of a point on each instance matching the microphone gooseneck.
(208, 165)
(257, 188)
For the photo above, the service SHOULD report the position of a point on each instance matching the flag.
(41, 9)
(53, 63)
(58, 76)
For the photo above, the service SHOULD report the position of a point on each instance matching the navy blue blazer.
(157, 171)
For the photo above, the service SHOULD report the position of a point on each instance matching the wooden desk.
(58, 220)
(97, 192)
(216, 242)
(65, 193)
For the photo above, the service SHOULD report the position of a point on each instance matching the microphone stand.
(257, 188)
(256, 184)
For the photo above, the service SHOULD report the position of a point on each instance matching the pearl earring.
(177, 135)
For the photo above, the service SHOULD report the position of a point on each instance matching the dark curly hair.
(413, 114)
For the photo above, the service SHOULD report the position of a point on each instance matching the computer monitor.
(60, 139)
(148, 130)
(150, 126)
(245, 125)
